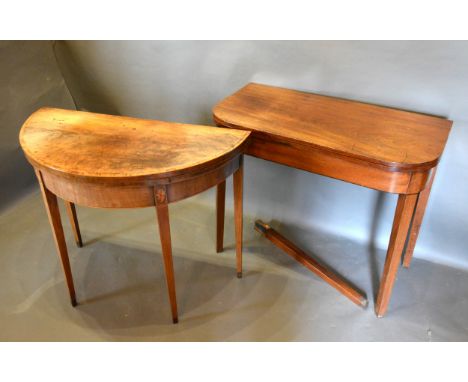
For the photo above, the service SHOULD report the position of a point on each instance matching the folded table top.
(105, 146)
(399, 140)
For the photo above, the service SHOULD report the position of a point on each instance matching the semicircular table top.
(385, 136)
(106, 146)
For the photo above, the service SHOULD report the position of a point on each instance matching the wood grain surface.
(108, 161)
(378, 147)
(398, 139)
(105, 146)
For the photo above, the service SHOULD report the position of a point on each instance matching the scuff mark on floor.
(33, 297)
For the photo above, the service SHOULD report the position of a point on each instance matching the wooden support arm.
(314, 266)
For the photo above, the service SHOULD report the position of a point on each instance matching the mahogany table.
(108, 161)
(381, 148)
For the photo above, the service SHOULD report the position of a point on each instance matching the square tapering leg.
(417, 221)
(53, 212)
(162, 211)
(220, 201)
(401, 222)
(71, 211)
(238, 196)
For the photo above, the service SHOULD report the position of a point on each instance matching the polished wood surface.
(106, 161)
(401, 223)
(421, 204)
(53, 212)
(220, 213)
(238, 184)
(71, 211)
(313, 265)
(106, 146)
(377, 147)
(132, 194)
(162, 212)
(378, 135)
(349, 170)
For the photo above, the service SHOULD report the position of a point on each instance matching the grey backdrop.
(29, 79)
(181, 81)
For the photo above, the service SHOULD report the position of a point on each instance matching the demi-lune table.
(377, 147)
(106, 161)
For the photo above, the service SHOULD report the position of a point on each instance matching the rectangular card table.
(381, 148)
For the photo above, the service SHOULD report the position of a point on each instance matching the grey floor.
(122, 293)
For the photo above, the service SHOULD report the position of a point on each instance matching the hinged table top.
(105, 146)
(398, 139)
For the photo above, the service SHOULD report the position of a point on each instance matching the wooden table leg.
(417, 220)
(238, 191)
(220, 200)
(53, 212)
(401, 222)
(314, 266)
(162, 211)
(71, 211)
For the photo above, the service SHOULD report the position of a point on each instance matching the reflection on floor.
(122, 293)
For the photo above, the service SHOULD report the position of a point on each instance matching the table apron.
(133, 195)
(349, 170)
